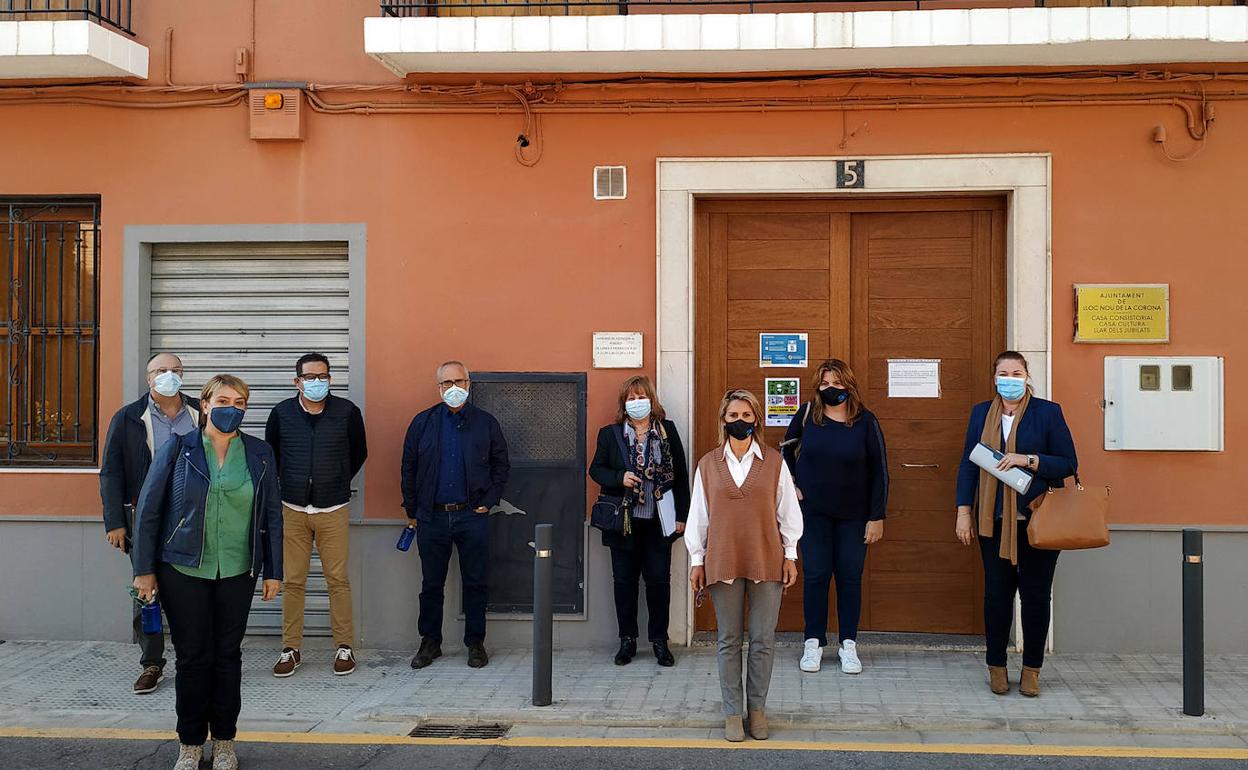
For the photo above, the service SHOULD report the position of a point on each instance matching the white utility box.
(1163, 403)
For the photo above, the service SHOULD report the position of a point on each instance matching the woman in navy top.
(835, 449)
(1032, 434)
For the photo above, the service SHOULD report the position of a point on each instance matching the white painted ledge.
(68, 49)
(762, 42)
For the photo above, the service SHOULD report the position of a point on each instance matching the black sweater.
(842, 470)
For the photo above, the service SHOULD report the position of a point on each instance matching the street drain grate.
(461, 732)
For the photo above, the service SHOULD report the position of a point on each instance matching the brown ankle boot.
(758, 725)
(1029, 684)
(734, 730)
(998, 681)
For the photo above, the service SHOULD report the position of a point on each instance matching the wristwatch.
(1033, 461)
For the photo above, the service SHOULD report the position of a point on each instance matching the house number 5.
(851, 173)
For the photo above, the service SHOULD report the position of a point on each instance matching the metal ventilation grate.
(461, 732)
(539, 419)
(610, 183)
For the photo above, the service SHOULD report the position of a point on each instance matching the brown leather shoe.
(344, 660)
(733, 729)
(287, 662)
(149, 680)
(1029, 684)
(758, 725)
(998, 680)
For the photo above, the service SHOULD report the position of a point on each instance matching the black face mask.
(740, 429)
(833, 396)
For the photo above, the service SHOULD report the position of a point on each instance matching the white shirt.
(788, 512)
(311, 508)
(1007, 424)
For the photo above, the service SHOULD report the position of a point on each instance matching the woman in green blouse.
(209, 518)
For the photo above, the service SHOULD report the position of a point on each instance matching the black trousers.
(646, 554)
(1032, 579)
(832, 548)
(207, 619)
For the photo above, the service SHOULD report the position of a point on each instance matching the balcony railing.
(403, 8)
(110, 13)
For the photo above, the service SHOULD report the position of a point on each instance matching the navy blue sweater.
(842, 469)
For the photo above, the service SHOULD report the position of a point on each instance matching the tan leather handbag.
(1069, 519)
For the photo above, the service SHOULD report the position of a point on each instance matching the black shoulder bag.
(611, 512)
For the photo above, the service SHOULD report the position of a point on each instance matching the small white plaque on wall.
(617, 350)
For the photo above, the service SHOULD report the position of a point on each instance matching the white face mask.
(167, 384)
(638, 408)
(455, 396)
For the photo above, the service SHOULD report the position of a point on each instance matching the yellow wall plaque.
(1120, 312)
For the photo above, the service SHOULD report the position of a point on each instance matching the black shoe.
(429, 652)
(477, 658)
(628, 650)
(664, 655)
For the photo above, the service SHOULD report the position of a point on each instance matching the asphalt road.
(40, 753)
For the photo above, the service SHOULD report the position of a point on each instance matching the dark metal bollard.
(1193, 623)
(543, 611)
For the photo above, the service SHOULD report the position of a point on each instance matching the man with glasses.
(135, 433)
(318, 440)
(454, 469)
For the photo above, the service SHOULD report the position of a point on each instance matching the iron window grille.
(49, 332)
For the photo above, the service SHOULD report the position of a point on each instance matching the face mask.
(167, 384)
(226, 418)
(316, 390)
(832, 395)
(638, 408)
(1011, 388)
(740, 429)
(455, 396)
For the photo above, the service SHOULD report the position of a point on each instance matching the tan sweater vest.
(743, 538)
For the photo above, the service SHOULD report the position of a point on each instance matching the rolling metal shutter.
(251, 309)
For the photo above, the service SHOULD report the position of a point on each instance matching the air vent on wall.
(610, 183)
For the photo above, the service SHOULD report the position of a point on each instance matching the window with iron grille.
(49, 330)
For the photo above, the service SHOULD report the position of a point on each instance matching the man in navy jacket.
(454, 469)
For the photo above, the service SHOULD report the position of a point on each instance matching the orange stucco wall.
(471, 255)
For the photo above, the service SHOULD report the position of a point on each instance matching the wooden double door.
(868, 280)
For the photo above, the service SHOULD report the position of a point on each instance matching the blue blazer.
(486, 463)
(169, 519)
(1041, 432)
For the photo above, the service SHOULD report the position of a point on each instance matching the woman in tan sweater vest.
(742, 533)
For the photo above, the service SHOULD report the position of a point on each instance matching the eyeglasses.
(166, 369)
(445, 384)
(313, 377)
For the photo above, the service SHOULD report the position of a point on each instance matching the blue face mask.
(1011, 388)
(316, 390)
(226, 418)
(455, 396)
(638, 408)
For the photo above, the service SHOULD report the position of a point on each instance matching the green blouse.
(227, 515)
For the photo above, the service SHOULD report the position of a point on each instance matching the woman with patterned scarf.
(1030, 433)
(640, 458)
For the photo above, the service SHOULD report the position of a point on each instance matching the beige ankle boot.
(998, 680)
(758, 725)
(733, 729)
(1029, 684)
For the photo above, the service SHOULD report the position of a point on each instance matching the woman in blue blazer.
(1032, 434)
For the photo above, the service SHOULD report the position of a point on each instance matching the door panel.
(867, 280)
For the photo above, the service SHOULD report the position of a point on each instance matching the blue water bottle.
(151, 617)
(405, 538)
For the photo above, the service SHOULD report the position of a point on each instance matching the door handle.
(920, 465)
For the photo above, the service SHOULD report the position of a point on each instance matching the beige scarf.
(986, 502)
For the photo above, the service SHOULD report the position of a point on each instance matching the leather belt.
(451, 508)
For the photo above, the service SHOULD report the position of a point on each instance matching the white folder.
(987, 458)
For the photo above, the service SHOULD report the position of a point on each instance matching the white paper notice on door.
(914, 378)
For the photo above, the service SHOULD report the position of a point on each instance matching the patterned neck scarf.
(654, 467)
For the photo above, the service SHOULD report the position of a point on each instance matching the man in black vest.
(134, 434)
(318, 440)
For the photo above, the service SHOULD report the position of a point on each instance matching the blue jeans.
(832, 548)
(469, 533)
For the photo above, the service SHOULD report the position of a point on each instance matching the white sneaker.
(812, 656)
(849, 658)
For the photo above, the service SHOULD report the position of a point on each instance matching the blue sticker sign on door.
(782, 350)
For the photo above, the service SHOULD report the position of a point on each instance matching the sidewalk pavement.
(903, 695)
